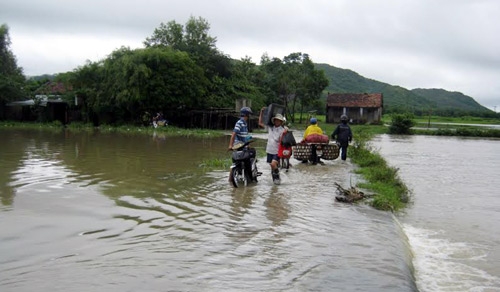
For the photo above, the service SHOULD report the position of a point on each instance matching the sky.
(448, 44)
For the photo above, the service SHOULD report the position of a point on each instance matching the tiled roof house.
(361, 108)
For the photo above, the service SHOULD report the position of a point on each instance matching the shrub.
(401, 124)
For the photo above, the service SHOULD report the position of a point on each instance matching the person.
(240, 134)
(273, 141)
(285, 147)
(313, 129)
(159, 120)
(343, 135)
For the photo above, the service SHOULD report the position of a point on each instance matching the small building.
(42, 108)
(361, 108)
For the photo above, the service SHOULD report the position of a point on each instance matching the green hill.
(397, 97)
(449, 100)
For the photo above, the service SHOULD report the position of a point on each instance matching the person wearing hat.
(273, 140)
(313, 129)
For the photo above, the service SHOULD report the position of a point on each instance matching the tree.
(194, 39)
(293, 82)
(131, 82)
(11, 75)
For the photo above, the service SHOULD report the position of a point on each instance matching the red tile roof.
(354, 100)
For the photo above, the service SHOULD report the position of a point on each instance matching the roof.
(354, 100)
(43, 99)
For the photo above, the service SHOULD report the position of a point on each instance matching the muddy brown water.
(452, 224)
(114, 212)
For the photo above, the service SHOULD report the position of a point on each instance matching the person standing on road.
(343, 135)
(273, 141)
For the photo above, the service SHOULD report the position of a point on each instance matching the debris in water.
(349, 195)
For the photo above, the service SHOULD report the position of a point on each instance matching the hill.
(449, 100)
(397, 97)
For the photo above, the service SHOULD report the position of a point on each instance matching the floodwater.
(102, 212)
(452, 225)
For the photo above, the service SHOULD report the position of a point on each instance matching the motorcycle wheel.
(238, 177)
(251, 175)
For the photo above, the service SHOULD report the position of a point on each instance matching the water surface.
(101, 212)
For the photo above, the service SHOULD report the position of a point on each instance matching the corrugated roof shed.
(364, 100)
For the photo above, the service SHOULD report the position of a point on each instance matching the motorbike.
(284, 155)
(244, 168)
(159, 121)
(285, 149)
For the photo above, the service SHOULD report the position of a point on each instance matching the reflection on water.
(93, 212)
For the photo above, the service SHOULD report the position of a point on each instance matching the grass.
(216, 163)
(124, 129)
(456, 120)
(391, 194)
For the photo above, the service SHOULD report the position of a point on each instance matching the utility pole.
(429, 121)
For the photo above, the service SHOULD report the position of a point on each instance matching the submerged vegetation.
(462, 131)
(124, 129)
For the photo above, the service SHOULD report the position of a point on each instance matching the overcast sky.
(449, 44)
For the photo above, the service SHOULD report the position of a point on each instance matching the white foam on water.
(442, 265)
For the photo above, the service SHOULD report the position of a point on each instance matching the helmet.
(343, 118)
(246, 111)
(313, 121)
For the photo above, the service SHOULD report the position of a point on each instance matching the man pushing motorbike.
(240, 135)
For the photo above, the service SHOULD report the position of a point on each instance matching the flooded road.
(101, 212)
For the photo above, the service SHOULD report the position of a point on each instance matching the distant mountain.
(449, 100)
(397, 97)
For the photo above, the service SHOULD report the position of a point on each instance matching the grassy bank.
(391, 194)
(125, 129)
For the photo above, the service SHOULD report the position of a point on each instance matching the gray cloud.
(413, 43)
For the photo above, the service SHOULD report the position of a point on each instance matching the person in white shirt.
(273, 141)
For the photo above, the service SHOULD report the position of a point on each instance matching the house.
(361, 108)
(42, 107)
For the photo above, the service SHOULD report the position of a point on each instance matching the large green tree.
(11, 75)
(131, 82)
(293, 82)
(194, 39)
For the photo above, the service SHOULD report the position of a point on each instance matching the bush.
(401, 124)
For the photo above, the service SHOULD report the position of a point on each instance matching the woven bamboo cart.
(330, 151)
(304, 151)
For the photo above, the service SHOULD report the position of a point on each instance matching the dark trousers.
(314, 157)
(343, 149)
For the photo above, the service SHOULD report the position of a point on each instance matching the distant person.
(313, 130)
(273, 141)
(343, 135)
